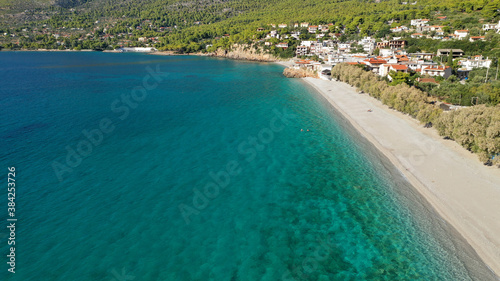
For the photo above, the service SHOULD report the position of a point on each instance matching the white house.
(491, 26)
(295, 34)
(461, 34)
(312, 28)
(307, 43)
(368, 44)
(386, 68)
(344, 47)
(282, 25)
(398, 68)
(475, 62)
(302, 50)
(316, 47)
(374, 64)
(386, 52)
(436, 70)
(282, 45)
(334, 59)
(304, 24)
(437, 28)
(419, 22)
(383, 70)
(399, 29)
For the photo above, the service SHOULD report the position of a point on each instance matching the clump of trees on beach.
(476, 128)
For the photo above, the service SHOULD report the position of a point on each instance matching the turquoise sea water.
(208, 174)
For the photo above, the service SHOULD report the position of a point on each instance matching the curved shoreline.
(462, 190)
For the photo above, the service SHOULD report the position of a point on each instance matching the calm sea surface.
(140, 167)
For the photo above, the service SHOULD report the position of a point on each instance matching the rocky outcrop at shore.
(291, 72)
(245, 52)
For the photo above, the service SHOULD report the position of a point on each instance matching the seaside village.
(382, 56)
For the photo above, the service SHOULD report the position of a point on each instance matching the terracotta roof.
(399, 67)
(375, 61)
(303, 62)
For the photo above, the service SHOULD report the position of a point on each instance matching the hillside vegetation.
(191, 25)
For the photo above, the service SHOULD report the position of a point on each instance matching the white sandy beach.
(461, 189)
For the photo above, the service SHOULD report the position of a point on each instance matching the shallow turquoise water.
(209, 174)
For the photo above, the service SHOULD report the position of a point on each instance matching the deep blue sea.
(141, 167)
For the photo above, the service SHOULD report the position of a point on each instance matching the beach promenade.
(460, 188)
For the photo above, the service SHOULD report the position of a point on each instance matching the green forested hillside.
(190, 25)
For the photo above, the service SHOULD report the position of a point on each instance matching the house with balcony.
(384, 69)
(492, 26)
(312, 29)
(436, 70)
(374, 64)
(421, 56)
(302, 50)
(393, 44)
(344, 47)
(474, 62)
(368, 44)
(446, 52)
